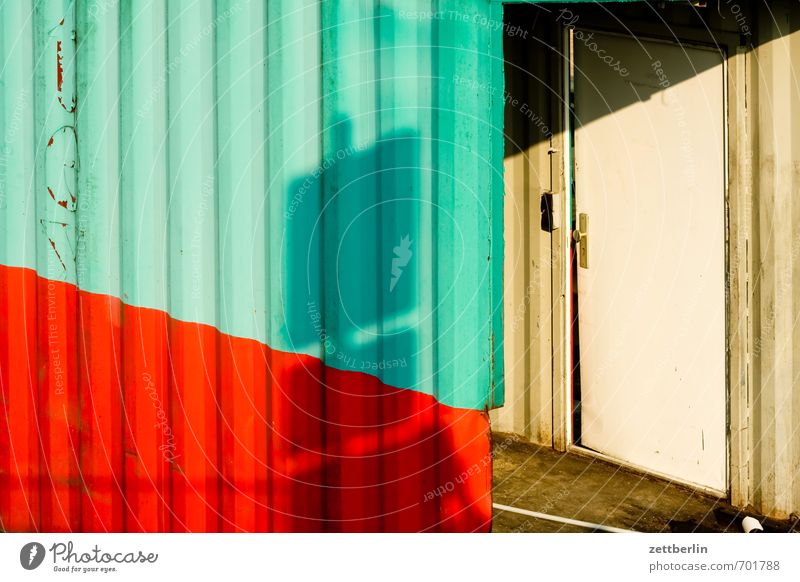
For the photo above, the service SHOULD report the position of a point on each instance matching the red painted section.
(152, 424)
(297, 468)
(58, 412)
(101, 436)
(19, 402)
(149, 441)
(353, 443)
(194, 476)
(245, 430)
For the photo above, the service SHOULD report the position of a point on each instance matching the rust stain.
(60, 77)
(58, 255)
(49, 143)
(59, 65)
(70, 109)
(50, 191)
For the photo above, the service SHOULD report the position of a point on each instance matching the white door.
(650, 177)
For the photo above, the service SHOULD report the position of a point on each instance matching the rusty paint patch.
(58, 255)
(59, 65)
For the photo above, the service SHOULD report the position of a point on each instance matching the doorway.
(621, 113)
(648, 128)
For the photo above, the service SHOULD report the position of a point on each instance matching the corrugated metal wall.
(250, 269)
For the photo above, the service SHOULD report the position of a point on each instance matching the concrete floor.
(579, 487)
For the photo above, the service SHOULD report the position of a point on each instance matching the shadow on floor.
(539, 479)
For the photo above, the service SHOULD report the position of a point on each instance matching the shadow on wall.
(531, 93)
(353, 229)
(311, 441)
(383, 459)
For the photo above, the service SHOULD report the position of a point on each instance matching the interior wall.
(773, 466)
(529, 101)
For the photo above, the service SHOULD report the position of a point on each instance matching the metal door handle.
(581, 236)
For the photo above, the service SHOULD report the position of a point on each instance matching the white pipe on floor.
(559, 519)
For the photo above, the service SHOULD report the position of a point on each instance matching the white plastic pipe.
(751, 525)
(559, 519)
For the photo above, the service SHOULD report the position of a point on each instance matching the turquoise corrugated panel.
(97, 222)
(55, 141)
(192, 209)
(495, 132)
(412, 200)
(143, 153)
(241, 65)
(17, 211)
(295, 165)
(306, 174)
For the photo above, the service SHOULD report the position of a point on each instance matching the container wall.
(531, 168)
(772, 465)
(251, 265)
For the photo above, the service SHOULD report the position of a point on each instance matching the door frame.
(737, 86)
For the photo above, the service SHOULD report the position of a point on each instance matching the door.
(650, 188)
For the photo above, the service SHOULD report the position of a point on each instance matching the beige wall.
(528, 266)
(774, 459)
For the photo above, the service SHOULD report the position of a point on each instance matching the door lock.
(546, 207)
(581, 237)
